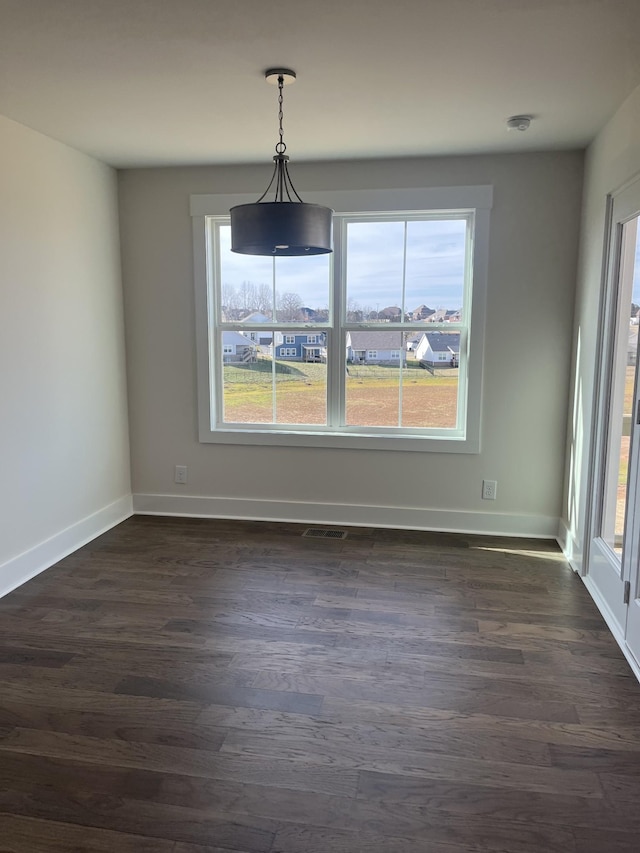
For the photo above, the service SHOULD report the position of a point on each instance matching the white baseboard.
(612, 623)
(570, 547)
(407, 518)
(30, 563)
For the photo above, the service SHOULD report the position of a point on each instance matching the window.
(227, 350)
(397, 266)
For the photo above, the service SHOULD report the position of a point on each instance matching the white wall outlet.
(181, 474)
(489, 490)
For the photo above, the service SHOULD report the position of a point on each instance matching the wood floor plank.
(209, 686)
(305, 839)
(421, 695)
(181, 847)
(164, 727)
(408, 733)
(453, 723)
(415, 763)
(506, 805)
(31, 835)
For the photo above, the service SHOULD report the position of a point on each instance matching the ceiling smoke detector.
(518, 123)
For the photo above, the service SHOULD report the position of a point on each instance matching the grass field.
(372, 395)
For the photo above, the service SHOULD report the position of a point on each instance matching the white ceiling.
(164, 82)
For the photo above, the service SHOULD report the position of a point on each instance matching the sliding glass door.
(613, 549)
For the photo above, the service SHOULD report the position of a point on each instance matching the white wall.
(534, 233)
(612, 160)
(64, 452)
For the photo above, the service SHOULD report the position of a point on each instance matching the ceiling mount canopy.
(286, 225)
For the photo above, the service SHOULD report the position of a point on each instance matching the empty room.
(319, 426)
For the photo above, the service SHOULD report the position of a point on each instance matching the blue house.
(300, 346)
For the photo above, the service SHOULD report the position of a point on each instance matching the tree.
(354, 311)
(264, 299)
(288, 308)
(248, 294)
(230, 301)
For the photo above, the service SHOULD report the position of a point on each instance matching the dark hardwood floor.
(194, 686)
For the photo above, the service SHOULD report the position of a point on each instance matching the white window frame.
(434, 200)
(227, 349)
(289, 339)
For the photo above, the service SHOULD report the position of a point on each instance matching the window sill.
(342, 440)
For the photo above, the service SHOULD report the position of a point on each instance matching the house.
(413, 341)
(392, 314)
(237, 347)
(253, 335)
(115, 119)
(300, 346)
(374, 347)
(422, 312)
(439, 348)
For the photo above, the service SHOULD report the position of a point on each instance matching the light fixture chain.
(280, 147)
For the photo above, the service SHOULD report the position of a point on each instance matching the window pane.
(420, 280)
(620, 411)
(247, 382)
(430, 393)
(248, 282)
(301, 392)
(293, 390)
(435, 269)
(373, 378)
(390, 385)
(375, 252)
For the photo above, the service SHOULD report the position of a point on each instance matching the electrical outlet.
(181, 474)
(489, 490)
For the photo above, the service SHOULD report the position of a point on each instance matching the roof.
(236, 339)
(374, 340)
(256, 317)
(444, 341)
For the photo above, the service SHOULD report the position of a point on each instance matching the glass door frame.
(607, 570)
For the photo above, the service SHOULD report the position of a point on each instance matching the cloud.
(433, 275)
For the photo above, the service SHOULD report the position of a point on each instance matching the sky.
(433, 276)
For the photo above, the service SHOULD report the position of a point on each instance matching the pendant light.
(287, 225)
